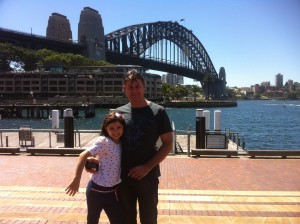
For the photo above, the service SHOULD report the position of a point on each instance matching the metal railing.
(231, 136)
(77, 138)
(238, 141)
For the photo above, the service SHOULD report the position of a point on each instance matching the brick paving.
(192, 190)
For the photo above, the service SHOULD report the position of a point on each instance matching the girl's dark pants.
(96, 201)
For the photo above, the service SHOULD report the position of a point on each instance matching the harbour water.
(266, 124)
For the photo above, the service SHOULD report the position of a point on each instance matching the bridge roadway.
(192, 190)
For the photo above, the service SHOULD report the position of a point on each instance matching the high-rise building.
(290, 85)
(172, 79)
(266, 84)
(59, 27)
(279, 80)
(180, 79)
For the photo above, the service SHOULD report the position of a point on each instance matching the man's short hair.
(134, 75)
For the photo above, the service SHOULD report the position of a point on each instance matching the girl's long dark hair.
(111, 118)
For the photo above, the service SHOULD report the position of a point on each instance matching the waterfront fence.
(27, 137)
(23, 142)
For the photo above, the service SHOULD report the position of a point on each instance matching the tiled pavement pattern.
(192, 190)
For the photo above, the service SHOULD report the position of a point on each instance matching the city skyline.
(253, 40)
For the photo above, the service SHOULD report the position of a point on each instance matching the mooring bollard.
(217, 120)
(206, 114)
(200, 129)
(55, 119)
(69, 128)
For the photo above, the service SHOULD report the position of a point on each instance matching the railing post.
(6, 141)
(174, 138)
(188, 144)
(75, 138)
(79, 144)
(50, 139)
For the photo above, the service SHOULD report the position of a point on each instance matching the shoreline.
(205, 104)
(40, 110)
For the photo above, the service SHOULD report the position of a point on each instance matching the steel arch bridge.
(165, 46)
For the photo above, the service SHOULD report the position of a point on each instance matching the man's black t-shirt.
(143, 128)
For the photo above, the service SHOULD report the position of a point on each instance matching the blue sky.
(252, 39)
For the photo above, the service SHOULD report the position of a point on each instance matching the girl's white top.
(109, 155)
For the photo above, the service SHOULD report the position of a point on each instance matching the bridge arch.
(187, 51)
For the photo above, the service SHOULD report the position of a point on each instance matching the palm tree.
(195, 89)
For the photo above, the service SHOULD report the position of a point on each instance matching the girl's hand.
(73, 188)
(93, 160)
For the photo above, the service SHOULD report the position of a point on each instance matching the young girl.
(101, 189)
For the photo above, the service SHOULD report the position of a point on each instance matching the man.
(145, 123)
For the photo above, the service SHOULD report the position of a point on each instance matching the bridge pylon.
(91, 33)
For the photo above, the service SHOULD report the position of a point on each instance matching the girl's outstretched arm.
(73, 188)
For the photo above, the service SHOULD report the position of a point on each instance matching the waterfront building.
(290, 85)
(172, 79)
(266, 84)
(297, 88)
(279, 80)
(257, 89)
(180, 79)
(93, 82)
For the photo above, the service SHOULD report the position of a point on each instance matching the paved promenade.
(192, 190)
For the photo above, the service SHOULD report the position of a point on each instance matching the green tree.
(208, 80)
(292, 95)
(167, 91)
(29, 60)
(195, 89)
(180, 92)
(56, 58)
(230, 93)
(10, 54)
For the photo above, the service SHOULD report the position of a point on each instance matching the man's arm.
(139, 172)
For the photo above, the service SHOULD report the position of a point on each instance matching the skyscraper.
(279, 80)
(172, 79)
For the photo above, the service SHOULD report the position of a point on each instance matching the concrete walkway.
(192, 190)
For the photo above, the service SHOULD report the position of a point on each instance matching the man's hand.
(139, 172)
